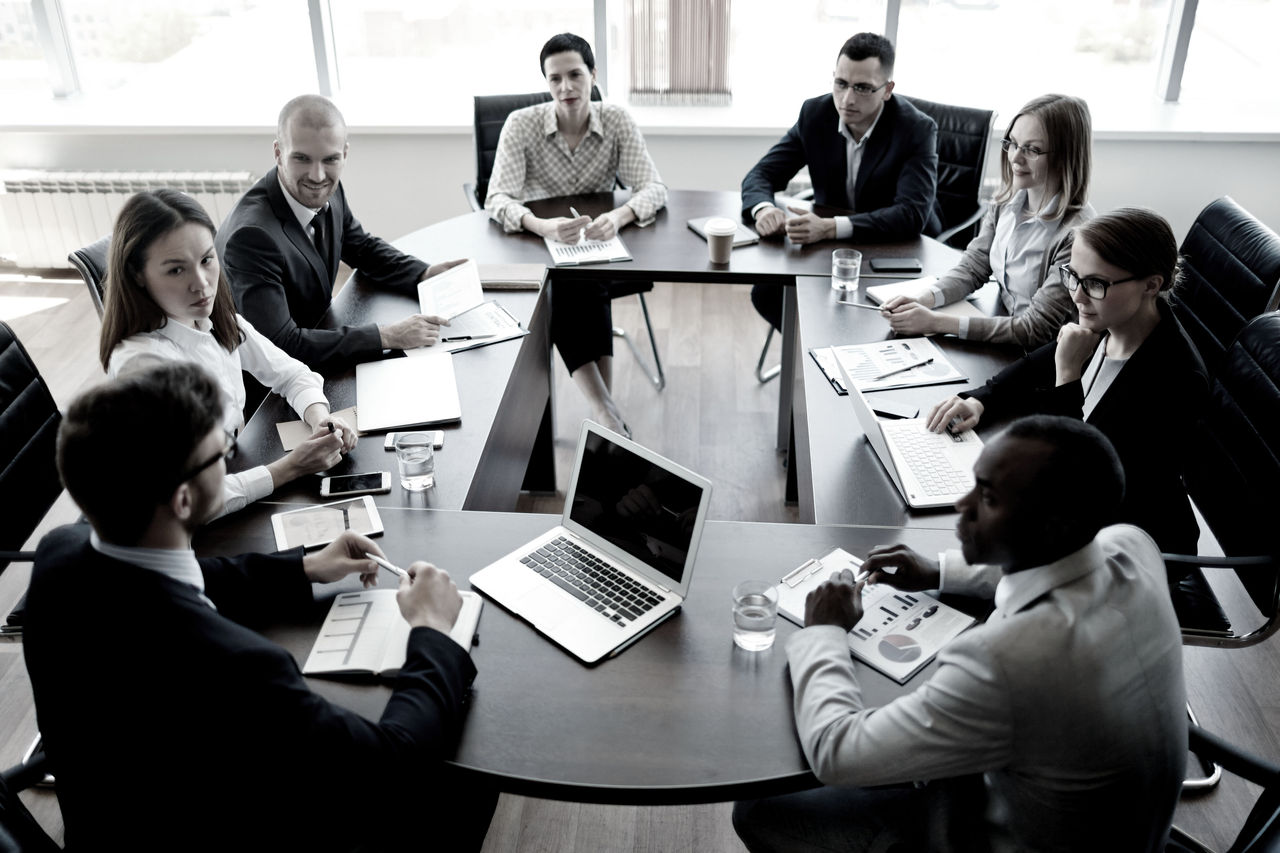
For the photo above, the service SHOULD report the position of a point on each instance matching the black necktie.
(322, 245)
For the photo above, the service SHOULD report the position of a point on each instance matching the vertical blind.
(679, 52)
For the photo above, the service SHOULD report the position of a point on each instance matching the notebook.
(929, 469)
(404, 392)
(917, 287)
(743, 237)
(621, 559)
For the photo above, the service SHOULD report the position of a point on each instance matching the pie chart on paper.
(899, 649)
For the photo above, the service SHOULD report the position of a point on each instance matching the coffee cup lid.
(720, 226)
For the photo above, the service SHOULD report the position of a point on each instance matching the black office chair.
(1231, 472)
(1231, 275)
(91, 262)
(29, 420)
(491, 113)
(1260, 832)
(964, 134)
(19, 831)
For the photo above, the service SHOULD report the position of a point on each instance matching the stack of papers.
(881, 365)
(457, 296)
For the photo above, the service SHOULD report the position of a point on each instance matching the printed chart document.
(451, 292)
(899, 632)
(881, 365)
(456, 296)
(365, 634)
(587, 251)
(916, 287)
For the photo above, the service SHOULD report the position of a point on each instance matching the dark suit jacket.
(172, 726)
(895, 194)
(283, 286)
(1145, 413)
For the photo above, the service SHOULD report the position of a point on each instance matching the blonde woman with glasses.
(1024, 237)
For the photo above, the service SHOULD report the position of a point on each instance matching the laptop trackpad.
(547, 606)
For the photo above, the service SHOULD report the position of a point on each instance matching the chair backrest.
(29, 419)
(964, 134)
(1231, 275)
(491, 115)
(91, 261)
(1233, 467)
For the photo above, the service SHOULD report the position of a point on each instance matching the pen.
(860, 305)
(574, 211)
(394, 569)
(903, 369)
(464, 338)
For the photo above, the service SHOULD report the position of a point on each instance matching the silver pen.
(391, 567)
(903, 369)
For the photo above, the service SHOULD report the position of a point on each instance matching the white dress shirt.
(533, 161)
(266, 362)
(853, 157)
(301, 212)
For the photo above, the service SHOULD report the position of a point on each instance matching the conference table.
(682, 716)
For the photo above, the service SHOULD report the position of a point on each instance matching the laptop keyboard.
(594, 582)
(924, 454)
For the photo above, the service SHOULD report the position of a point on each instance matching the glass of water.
(755, 615)
(846, 267)
(416, 457)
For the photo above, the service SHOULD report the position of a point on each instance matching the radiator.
(46, 215)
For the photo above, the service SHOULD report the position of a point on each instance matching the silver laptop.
(929, 469)
(622, 557)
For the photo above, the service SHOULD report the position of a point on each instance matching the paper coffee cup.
(720, 234)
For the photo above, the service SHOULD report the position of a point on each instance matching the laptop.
(929, 469)
(621, 559)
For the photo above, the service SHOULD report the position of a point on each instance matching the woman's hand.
(1075, 347)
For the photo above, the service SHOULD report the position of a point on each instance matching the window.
(432, 57)
(987, 53)
(245, 55)
(22, 64)
(1232, 55)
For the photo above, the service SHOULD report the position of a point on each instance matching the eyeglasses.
(1029, 151)
(862, 90)
(228, 454)
(1095, 287)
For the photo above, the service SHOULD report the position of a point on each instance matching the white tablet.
(314, 526)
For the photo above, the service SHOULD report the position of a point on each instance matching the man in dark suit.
(169, 723)
(281, 245)
(866, 151)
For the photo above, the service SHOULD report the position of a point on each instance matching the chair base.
(764, 374)
(1212, 772)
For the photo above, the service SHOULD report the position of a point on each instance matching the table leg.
(786, 379)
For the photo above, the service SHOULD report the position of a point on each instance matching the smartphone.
(437, 438)
(895, 265)
(372, 483)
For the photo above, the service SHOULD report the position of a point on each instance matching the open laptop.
(620, 561)
(929, 469)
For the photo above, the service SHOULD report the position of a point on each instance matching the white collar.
(848, 134)
(178, 564)
(1017, 590)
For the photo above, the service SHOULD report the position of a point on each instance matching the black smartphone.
(895, 265)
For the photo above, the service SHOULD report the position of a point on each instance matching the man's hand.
(836, 602)
(770, 221)
(1075, 347)
(428, 598)
(601, 228)
(341, 557)
(806, 227)
(955, 413)
(436, 269)
(910, 571)
(416, 330)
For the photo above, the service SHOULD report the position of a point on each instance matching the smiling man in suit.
(281, 245)
(867, 152)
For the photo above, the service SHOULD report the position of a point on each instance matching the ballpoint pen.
(394, 569)
(859, 305)
(903, 369)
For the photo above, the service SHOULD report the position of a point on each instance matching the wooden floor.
(712, 417)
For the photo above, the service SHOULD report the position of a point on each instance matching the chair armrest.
(973, 219)
(1209, 562)
(1231, 757)
(469, 190)
(28, 773)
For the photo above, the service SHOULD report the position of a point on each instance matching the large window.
(22, 63)
(432, 57)
(1233, 56)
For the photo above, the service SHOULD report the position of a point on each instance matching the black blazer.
(172, 726)
(282, 285)
(1146, 413)
(897, 181)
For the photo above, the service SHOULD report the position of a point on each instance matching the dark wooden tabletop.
(682, 716)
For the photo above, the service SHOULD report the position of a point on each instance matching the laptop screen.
(636, 505)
